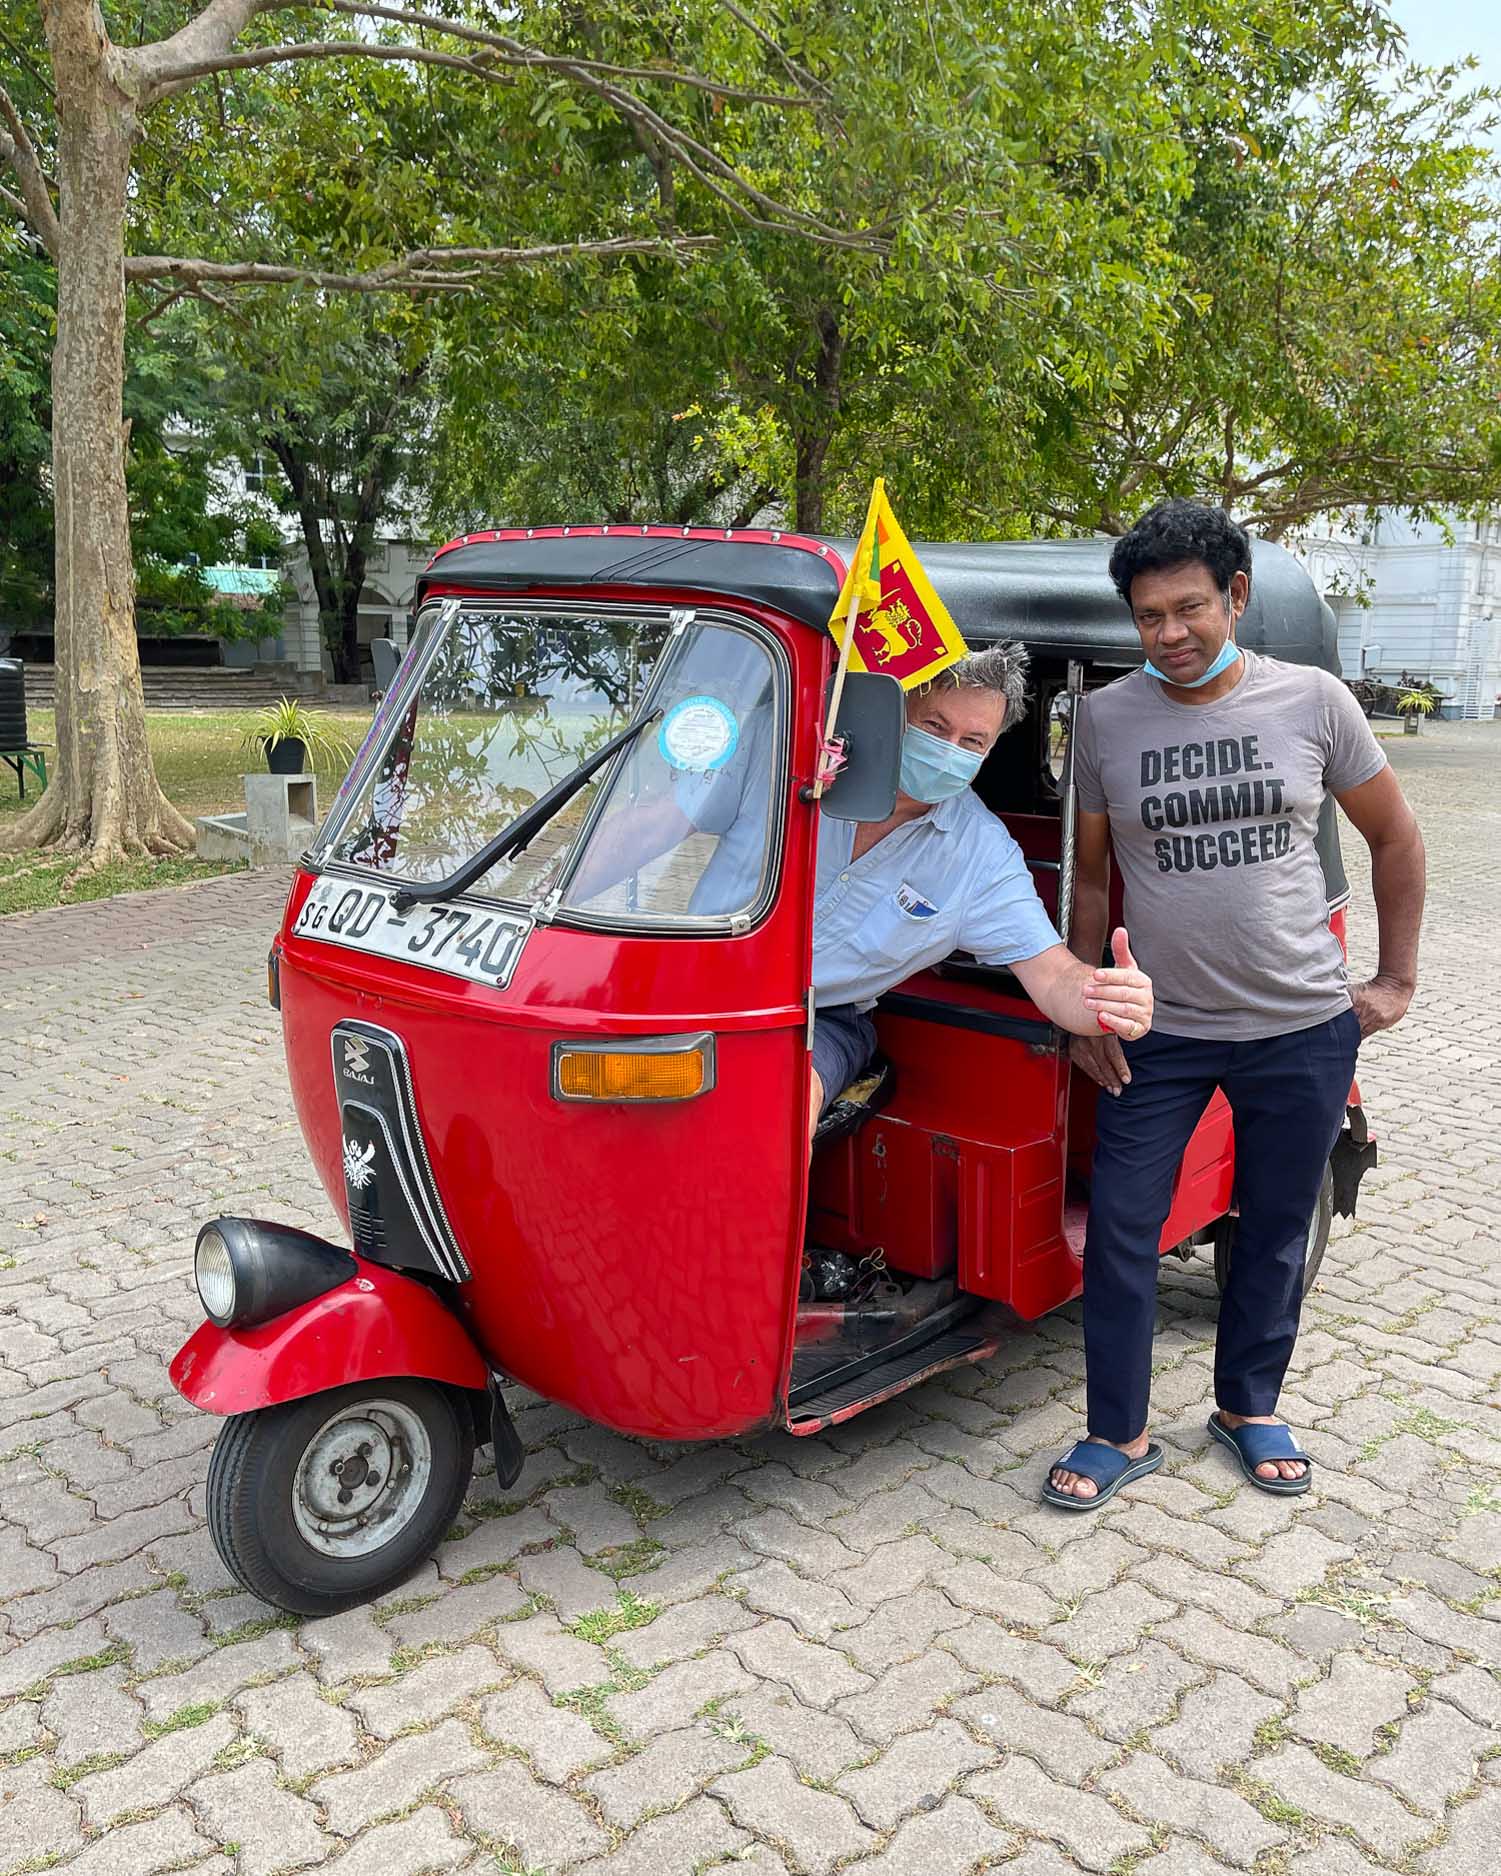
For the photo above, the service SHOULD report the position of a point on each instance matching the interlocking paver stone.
(1474, 1830)
(274, 1829)
(543, 1825)
(816, 1673)
(157, 1629)
(1473, 1691)
(219, 1676)
(1435, 1757)
(543, 1647)
(1136, 1692)
(820, 1745)
(914, 1771)
(1215, 1727)
(685, 1629)
(953, 1838)
(1375, 1818)
(307, 1733)
(35, 1821)
(166, 1767)
(677, 1694)
(817, 1827)
(424, 1844)
(36, 1661)
(1092, 1832)
(1345, 1709)
(156, 1844)
(671, 1767)
(428, 1691)
(686, 1839)
(558, 1741)
(1232, 1828)
(1060, 1743)
(390, 1781)
(92, 1714)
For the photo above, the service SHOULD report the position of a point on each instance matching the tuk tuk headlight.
(248, 1271)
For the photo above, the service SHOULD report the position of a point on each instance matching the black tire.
(267, 1528)
(1318, 1238)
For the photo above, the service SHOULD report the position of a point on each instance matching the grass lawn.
(199, 763)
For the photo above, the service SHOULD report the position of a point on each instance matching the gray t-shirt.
(1213, 810)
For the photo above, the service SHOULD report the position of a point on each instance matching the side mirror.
(387, 661)
(873, 720)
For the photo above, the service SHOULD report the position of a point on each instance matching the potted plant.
(1412, 707)
(288, 734)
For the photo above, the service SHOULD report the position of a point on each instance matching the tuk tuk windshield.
(507, 704)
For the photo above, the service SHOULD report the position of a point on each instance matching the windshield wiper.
(518, 835)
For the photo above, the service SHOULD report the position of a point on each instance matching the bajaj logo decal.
(357, 1167)
(357, 1060)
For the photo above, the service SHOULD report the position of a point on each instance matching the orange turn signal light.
(665, 1071)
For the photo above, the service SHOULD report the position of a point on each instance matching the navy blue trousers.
(1288, 1097)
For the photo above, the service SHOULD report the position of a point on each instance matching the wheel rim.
(362, 1477)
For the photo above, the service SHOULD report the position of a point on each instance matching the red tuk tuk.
(559, 1093)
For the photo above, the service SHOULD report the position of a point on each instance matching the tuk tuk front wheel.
(323, 1503)
(1313, 1255)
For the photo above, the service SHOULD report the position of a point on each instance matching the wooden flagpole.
(840, 673)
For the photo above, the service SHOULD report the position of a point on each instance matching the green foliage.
(1419, 703)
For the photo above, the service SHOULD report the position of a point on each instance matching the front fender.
(378, 1324)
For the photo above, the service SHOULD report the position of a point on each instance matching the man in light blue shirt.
(942, 874)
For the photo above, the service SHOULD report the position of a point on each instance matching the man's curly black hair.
(1174, 534)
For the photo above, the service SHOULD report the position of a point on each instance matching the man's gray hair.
(999, 668)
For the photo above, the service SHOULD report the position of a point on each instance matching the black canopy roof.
(1055, 596)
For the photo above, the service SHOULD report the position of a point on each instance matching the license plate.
(464, 940)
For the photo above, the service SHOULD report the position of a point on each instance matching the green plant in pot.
(289, 735)
(1412, 707)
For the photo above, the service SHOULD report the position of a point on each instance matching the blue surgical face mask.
(933, 769)
(1228, 653)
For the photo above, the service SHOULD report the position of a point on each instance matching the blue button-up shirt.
(953, 879)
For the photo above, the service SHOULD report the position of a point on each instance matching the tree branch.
(17, 149)
(166, 75)
(425, 269)
(207, 35)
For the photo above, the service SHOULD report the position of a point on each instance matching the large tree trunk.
(815, 426)
(102, 798)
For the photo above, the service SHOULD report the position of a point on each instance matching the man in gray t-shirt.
(1205, 774)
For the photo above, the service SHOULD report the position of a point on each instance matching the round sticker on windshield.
(699, 734)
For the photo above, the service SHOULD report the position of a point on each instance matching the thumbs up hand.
(1120, 999)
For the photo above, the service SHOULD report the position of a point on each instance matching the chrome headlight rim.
(215, 1277)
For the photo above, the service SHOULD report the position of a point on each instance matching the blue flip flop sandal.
(1254, 1446)
(1109, 1469)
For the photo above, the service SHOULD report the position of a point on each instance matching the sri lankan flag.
(902, 627)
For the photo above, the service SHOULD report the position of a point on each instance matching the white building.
(297, 649)
(1413, 597)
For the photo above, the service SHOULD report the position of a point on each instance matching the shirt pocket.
(898, 936)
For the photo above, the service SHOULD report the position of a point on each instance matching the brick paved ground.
(872, 1649)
